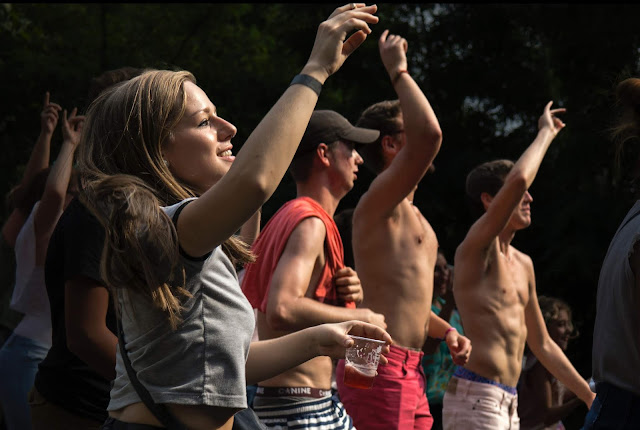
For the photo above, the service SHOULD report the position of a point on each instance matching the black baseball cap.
(327, 126)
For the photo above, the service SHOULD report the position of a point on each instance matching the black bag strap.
(160, 411)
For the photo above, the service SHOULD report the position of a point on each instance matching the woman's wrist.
(46, 134)
(313, 337)
(446, 333)
(317, 72)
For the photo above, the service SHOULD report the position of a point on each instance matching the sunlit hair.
(551, 307)
(626, 132)
(126, 181)
(486, 178)
(381, 116)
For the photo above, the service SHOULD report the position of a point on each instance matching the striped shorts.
(288, 413)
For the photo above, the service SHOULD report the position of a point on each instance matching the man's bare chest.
(507, 282)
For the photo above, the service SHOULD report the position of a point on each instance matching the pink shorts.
(397, 399)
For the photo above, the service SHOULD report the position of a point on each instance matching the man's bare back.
(495, 297)
(396, 259)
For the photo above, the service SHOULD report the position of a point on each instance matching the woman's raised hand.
(49, 115)
(332, 46)
(72, 127)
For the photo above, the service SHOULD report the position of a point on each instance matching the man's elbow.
(517, 179)
(280, 318)
(435, 134)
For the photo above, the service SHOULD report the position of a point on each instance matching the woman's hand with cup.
(334, 339)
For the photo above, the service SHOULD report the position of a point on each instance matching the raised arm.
(288, 306)
(41, 151)
(269, 358)
(421, 128)
(55, 190)
(548, 352)
(251, 229)
(501, 206)
(38, 160)
(267, 153)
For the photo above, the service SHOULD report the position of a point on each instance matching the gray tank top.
(203, 361)
(616, 350)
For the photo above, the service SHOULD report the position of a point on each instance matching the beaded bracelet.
(446, 333)
(397, 76)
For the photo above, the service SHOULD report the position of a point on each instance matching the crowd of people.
(153, 299)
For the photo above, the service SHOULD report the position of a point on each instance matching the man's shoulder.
(469, 251)
(523, 258)
(310, 229)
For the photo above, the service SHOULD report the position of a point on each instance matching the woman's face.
(441, 276)
(199, 148)
(560, 329)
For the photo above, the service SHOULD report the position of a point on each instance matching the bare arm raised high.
(38, 161)
(422, 130)
(501, 206)
(55, 191)
(268, 151)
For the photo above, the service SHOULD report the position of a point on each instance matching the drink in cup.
(361, 362)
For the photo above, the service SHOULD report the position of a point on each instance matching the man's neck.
(504, 241)
(320, 194)
(411, 195)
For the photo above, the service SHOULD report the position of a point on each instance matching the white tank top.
(30, 294)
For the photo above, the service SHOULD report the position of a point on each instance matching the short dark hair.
(486, 178)
(380, 116)
(300, 167)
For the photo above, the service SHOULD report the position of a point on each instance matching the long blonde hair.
(125, 181)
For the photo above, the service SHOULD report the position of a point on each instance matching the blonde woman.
(160, 176)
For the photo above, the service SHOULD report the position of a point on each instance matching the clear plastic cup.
(361, 362)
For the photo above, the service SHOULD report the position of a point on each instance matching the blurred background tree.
(488, 70)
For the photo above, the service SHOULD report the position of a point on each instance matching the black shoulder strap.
(160, 411)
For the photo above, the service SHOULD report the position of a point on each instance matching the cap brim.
(361, 135)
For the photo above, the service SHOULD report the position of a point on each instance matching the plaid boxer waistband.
(314, 393)
(467, 374)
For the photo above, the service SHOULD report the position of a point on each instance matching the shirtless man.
(395, 252)
(299, 279)
(495, 290)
